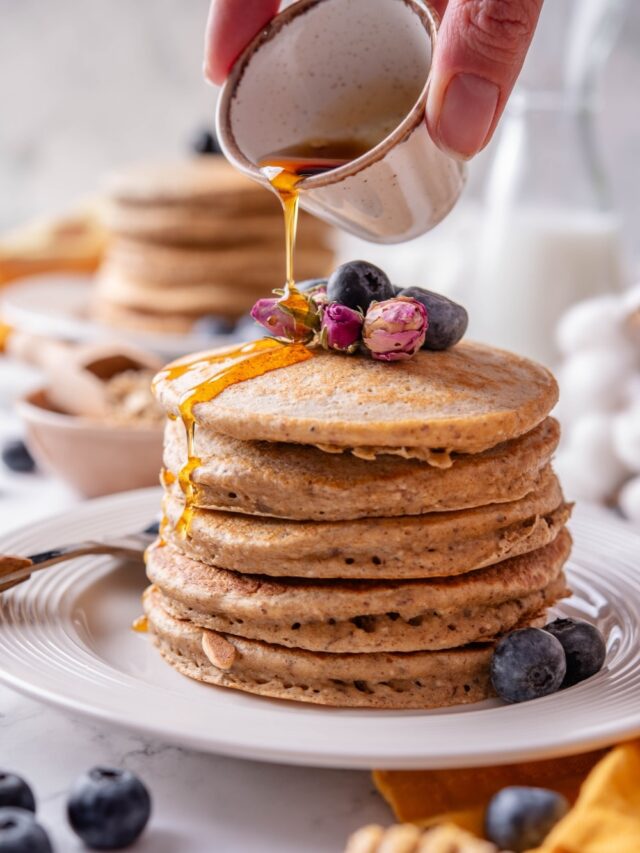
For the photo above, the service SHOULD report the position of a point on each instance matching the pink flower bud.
(281, 322)
(395, 329)
(341, 327)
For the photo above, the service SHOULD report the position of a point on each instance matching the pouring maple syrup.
(284, 169)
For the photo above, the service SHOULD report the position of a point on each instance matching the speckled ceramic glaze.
(336, 69)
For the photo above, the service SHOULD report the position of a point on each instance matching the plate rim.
(168, 344)
(233, 744)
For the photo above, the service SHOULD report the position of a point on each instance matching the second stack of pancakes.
(362, 533)
(194, 238)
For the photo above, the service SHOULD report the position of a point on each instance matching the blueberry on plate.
(15, 792)
(527, 664)
(520, 818)
(584, 648)
(19, 833)
(16, 457)
(448, 321)
(205, 142)
(108, 808)
(357, 284)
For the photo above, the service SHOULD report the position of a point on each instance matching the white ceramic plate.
(58, 306)
(65, 638)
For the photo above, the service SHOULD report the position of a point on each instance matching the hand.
(481, 48)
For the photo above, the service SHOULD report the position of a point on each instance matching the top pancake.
(466, 399)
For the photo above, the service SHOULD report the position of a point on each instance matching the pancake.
(194, 224)
(218, 293)
(143, 320)
(433, 545)
(362, 616)
(198, 181)
(380, 680)
(298, 482)
(165, 265)
(465, 399)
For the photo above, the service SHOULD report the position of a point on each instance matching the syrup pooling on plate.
(248, 361)
(140, 625)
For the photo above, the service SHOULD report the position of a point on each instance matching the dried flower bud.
(395, 329)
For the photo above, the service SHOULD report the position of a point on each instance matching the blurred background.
(550, 216)
(89, 86)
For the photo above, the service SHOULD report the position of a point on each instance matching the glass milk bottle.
(549, 235)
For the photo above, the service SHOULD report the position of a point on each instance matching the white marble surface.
(201, 802)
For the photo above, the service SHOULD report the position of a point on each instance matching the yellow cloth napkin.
(432, 796)
(605, 818)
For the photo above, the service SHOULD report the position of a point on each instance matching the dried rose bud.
(395, 329)
(314, 289)
(341, 327)
(318, 295)
(281, 322)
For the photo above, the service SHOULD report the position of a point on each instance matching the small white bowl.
(95, 457)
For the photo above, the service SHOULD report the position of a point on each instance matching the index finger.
(230, 27)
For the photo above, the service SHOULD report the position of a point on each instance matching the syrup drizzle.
(284, 170)
(141, 625)
(248, 361)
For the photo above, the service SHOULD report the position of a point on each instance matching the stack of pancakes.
(361, 532)
(195, 239)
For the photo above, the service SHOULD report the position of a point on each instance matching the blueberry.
(448, 321)
(248, 330)
(212, 326)
(17, 458)
(205, 142)
(19, 833)
(583, 646)
(108, 808)
(15, 792)
(519, 818)
(357, 284)
(527, 664)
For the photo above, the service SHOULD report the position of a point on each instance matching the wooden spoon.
(76, 373)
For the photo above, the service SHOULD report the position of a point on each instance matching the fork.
(17, 569)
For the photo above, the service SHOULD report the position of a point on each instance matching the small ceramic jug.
(346, 69)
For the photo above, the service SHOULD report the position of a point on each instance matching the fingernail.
(466, 114)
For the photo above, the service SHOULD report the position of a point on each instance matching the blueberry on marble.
(527, 664)
(15, 792)
(108, 808)
(357, 284)
(584, 648)
(20, 833)
(520, 818)
(448, 321)
(205, 142)
(16, 457)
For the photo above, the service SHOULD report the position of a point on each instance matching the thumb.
(480, 50)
